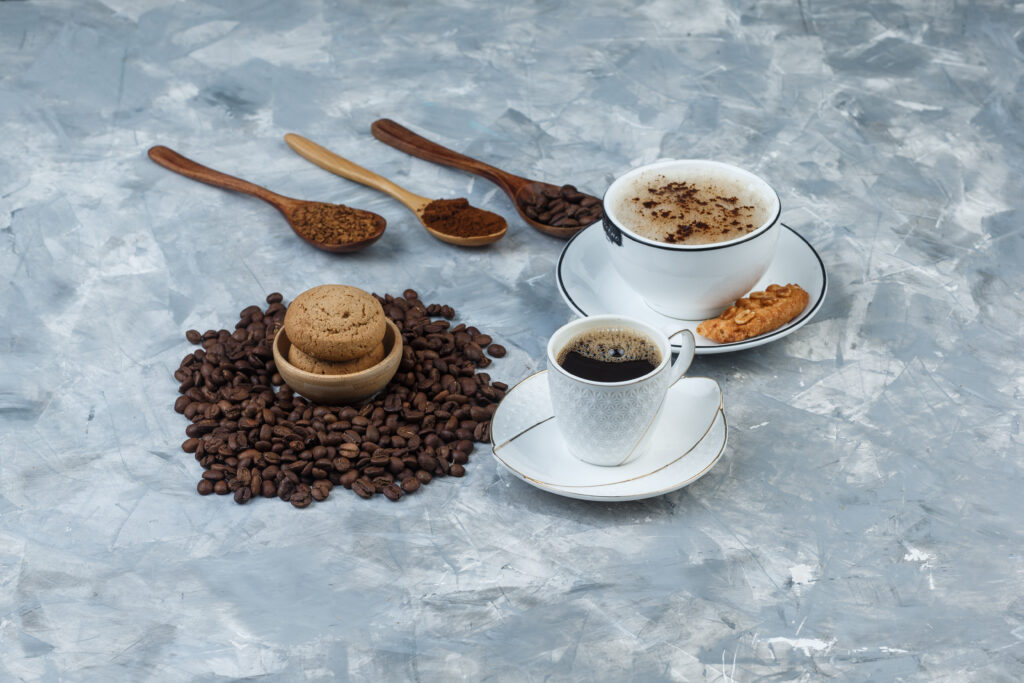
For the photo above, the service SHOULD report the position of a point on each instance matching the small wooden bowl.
(340, 389)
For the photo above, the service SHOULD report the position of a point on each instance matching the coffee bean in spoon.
(561, 207)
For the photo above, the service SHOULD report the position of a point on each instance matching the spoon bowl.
(519, 190)
(328, 160)
(307, 219)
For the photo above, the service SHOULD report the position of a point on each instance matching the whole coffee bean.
(204, 487)
(381, 481)
(457, 470)
(285, 489)
(496, 351)
(363, 488)
(193, 336)
(220, 488)
(321, 489)
(302, 497)
(242, 495)
(482, 432)
(411, 485)
(392, 492)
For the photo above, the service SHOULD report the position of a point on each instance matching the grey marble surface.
(865, 521)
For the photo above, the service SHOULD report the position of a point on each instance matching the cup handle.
(685, 357)
(676, 370)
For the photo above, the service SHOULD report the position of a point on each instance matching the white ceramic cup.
(606, 423)
(691, 281)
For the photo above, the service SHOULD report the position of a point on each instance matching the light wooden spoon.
(297, 212)
(330, 161)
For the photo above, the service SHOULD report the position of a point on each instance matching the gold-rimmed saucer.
(687, 441)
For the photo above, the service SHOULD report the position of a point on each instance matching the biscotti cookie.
(335, 322)
(756, 314)
(304, 361)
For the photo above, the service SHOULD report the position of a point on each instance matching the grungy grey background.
(865, 521)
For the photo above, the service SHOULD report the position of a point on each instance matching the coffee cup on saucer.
(691, 236)
(608, 376)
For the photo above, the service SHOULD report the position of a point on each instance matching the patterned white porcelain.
(683, 447)
(606, 423)
(691, 281)
(591, 286)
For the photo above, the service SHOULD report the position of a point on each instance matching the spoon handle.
(400, 137)
(328, 160)
(173, 161)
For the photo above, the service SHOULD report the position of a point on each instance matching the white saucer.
(591, 286)
(687, 441)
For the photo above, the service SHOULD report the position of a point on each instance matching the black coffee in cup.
(609, 355)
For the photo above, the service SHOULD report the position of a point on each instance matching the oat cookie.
(335, 322)
(304, 361)
(756, 314)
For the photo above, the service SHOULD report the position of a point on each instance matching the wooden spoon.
(303, 217)
(520, 190)
(330, 161)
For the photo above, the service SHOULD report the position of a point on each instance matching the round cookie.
(304, 361)
(335, 322)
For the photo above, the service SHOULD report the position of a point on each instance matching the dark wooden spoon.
(522, 191)
(367, 227)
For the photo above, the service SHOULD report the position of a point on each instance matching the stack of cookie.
(335, 330)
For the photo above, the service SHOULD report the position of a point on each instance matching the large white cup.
(691, 281)
(606, 423)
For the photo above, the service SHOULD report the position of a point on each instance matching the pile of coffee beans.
(562, 207)
(253, 440)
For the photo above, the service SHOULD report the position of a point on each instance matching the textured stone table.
(865, 521)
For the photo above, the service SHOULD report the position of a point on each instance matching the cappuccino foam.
(691, 208)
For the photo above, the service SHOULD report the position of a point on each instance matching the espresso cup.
(607, 423)
(684, 280)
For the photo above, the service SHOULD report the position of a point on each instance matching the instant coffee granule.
(254, 441)
(457, 218)
(333, 223)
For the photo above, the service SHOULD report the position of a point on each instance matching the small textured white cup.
(691, 281)
(606, 423)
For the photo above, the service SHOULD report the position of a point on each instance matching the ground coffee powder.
(457, 218)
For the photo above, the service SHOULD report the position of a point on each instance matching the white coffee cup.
(691, 281)
(606, 423)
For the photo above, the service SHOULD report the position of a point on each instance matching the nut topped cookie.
(335, 322)
(756, 314)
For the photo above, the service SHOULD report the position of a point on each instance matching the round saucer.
(591, 286)
(687, 441)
